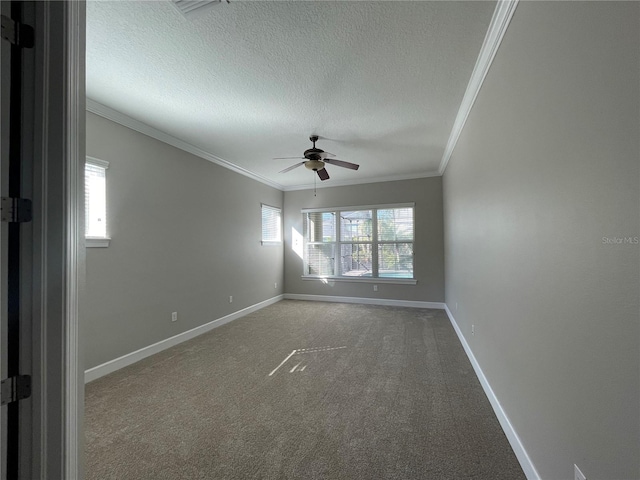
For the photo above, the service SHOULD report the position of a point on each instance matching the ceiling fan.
(315, 159)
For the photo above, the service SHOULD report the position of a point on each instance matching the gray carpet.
(366, 392)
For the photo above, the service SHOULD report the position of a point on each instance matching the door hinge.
(16, 388)
(17, 33)
(16, 210)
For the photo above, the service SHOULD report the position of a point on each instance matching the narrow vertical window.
(395, 242)
(320, 243)
(271, 225)
(95, 202)
(356, 243)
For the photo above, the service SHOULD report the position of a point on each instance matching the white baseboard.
(521, 454)
(368, 301)
(133, 357)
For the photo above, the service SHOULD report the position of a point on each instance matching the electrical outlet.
(275, 285)
(174, 317)
(375, 288)
(456, 306)
(473, 329)
(578, 474)
(230, 298)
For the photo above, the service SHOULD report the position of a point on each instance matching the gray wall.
(429, 253)
(185, 236)
(547, 169)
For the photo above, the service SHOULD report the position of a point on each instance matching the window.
(359, 242)
(95, 202)
(271, 225)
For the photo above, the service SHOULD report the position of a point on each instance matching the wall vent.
(194, 8)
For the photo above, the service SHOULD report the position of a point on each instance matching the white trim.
(97, 162)
(499, 23)
(497, 28)
(278, 211)
(396, 281)
(359, 207)
(525, 462)
(360, 181)
(74, 192)
(133, 357)
(45, 370)
(96, 242)
(368, 301)
(138, 126)
(374, 241)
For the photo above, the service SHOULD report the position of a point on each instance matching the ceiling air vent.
(194, 8)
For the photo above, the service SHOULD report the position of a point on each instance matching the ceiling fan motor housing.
(313, 154)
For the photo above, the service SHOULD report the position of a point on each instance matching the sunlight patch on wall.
(296, 242)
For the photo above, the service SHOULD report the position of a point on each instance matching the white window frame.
(263, 241)
(98, 241)
(374, 278)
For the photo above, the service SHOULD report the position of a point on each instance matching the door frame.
(58, 240)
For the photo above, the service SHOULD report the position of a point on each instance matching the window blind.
(95, 201)
(373, 242)
(271, 224)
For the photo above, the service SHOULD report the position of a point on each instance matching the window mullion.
(337, 250)
(374, 242)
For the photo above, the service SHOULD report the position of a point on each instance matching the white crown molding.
(133, 357)
(527, 465)
(497, 28)
(345, 183)
(138, 126)
(367, 301)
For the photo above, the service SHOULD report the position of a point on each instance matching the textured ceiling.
(379, 82)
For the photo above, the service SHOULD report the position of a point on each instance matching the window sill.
(96, 242)
(397, 281)
(267, 243)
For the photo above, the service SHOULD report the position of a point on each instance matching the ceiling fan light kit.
(314, 165)
(316, 158)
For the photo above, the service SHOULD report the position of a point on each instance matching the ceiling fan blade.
(323, 174)
(341, 163)
(288, 158)
(295, 165)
